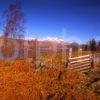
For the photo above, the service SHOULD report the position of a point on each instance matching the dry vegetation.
(21, 80)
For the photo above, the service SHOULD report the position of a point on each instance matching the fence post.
(93, 60)
(70, 52)
(69, 56)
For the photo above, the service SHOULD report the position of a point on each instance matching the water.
(97, 59)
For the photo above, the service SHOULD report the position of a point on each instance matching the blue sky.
(71, 20)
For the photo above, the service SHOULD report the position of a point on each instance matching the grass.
(21, 80)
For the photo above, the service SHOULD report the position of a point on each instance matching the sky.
(70, 20)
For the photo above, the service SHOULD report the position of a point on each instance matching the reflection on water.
(97, 59)
(1, 57)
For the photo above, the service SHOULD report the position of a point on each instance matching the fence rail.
(82, 63)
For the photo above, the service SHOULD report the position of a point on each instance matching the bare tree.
(14, 23)
(14, 27)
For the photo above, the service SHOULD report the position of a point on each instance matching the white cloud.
(75, 39)
(29, 38)
(51, 39)
(45, 39)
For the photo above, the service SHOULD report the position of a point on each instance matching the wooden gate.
(82, 63)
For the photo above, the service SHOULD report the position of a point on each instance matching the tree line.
(91, 45)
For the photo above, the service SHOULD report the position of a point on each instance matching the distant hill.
(30, 47)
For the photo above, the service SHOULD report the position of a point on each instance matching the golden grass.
(19, 80)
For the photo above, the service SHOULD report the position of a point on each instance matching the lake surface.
(97, 58)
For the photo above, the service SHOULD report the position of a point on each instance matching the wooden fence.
(82, 63)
